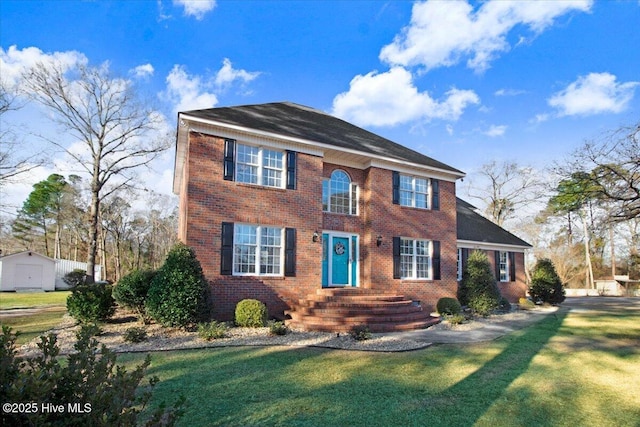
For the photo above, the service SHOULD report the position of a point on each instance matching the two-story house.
(280, 201)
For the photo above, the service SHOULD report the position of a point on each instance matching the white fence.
(64, 266)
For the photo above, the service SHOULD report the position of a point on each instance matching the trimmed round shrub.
(251, 313)
(478, 288)
(91, 303)
(448, 306)
(546, 285)
(131, 291)
(179, 294)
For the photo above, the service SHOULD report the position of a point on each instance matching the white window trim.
(507, 270)
(258, 256)
(352, 187)
(413, 191)
(261, 166)
(414, 267)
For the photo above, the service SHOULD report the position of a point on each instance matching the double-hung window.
(415, 259)
(503, 266)
(414, 192)
(256, 165)
(339, 194)
(257, 250)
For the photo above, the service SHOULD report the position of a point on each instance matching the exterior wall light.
(315, 237)
(378, 240)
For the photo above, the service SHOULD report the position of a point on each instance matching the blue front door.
(340, 261)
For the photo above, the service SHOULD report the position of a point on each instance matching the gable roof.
(475, 228)
(298, 121)
(29, 253)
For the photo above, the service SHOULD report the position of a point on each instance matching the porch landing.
(340, 309)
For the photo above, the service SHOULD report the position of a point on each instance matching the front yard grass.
(53, 306)
(567, 370)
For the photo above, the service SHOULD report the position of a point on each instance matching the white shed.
(27, 271)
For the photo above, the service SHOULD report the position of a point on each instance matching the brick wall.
(208, 200)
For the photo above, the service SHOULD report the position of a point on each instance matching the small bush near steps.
(448, 306)
(360, 333)
(213, 330)
(251, 313)
(277, 328)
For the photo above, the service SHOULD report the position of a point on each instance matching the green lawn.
(33, 325)
(572, 369)
(10, 300)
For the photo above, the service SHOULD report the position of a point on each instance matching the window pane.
(244, 249)
(406, 258)
(272, 162)
(325, 195)
(270, 249)
(340, 188)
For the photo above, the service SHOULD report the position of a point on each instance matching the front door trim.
(353, 250)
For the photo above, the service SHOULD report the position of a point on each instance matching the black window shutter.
(497, 266)
(435, 194)
(396, 188)
(465, 257)
(226, 253)
(435, 263)
(290, 252)
(396, 258)
(291, 170)
(229, 158)
(512, 266)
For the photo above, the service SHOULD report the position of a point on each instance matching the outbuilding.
(27, 271)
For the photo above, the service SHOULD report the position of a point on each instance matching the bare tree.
(13, 160)
(505, 187)
(117, 131)
(612, 164)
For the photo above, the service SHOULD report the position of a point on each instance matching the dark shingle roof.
(298, 121)
(476, 228)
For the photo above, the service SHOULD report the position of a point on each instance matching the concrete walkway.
(497, 326)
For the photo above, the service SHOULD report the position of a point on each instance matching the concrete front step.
(360, 319)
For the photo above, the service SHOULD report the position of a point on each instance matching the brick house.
(280, 201)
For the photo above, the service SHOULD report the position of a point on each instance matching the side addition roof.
(298, 121)
(473, 227)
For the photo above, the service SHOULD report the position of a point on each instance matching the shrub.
(179, 294)
(360, 333)
(213, 330)
(277, 328)
(526, 304)
(91, 303)
(251, 313)
(478, 288)
(75, 277)
(135, 334)
(89, 379)
(448, 306)
(546, 285)
(504, 305)
(456, 319)
(131, 291)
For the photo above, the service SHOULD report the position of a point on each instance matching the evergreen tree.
(546, 285)
(478, 289)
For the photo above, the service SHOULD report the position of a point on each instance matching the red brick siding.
(208, 200)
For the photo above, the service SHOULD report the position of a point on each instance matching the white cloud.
(495, 130)
(442, 33)
(391, 98)
(449, 129)
(228, 75)
(196, 8)
(188, 92)
(14, 62)
(142, 71)
(509, 92)
(592, 94)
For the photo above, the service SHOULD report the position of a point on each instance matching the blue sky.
(465, 83)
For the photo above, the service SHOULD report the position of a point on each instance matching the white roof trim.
(470, 244)
(314, 144)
